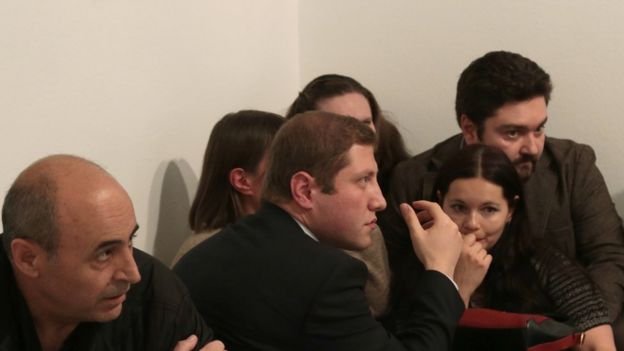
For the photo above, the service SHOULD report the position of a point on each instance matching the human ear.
(27, 256)
(240, 182)
(469, 130)
(512, 208)
(301, 188)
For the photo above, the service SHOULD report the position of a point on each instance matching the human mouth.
(118, 297)
(116, 300)
(372, 224)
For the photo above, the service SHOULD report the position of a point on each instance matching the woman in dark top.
(481, 192)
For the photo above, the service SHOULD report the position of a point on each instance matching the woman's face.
(350, 104)
(478, 206)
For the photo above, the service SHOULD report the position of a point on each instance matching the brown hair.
(390, 149)
(238, 140)
(315, 142)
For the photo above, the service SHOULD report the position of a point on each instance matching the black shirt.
(157, 314)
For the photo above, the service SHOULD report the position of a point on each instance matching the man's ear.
(240, 182)
(301, 187)
(27, 256)
(469, 130)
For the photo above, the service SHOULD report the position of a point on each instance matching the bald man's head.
(42, 191)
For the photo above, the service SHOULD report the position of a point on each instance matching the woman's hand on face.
(472, 266)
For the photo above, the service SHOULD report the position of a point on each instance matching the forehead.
(361, 158)
(349, 104)
(529, 113)
(475, 190)
(85, 221)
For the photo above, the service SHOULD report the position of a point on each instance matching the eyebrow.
(117, 242)
(521, 127)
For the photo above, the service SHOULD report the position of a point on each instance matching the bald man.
(69, 276)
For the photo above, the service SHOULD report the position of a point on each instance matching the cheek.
(495, 225)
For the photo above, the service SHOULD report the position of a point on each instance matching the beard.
(525, 166)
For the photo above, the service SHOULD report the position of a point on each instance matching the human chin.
(110, 310)
(525, 170)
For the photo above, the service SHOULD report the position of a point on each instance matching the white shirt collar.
(306, 230)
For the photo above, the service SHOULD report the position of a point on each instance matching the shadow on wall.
(171, 194)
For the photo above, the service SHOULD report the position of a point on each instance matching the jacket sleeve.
(570, 289)
(339, 318)
(598, 230)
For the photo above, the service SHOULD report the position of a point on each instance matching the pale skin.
(350, 104)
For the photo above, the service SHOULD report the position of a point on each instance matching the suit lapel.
(539, 192)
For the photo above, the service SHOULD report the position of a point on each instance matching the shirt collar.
(306, 230)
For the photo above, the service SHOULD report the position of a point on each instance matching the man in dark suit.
(276, 280)
(502, 101)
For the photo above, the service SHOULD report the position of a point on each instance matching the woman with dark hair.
(232, 173)
(345, 96)
(481, 192)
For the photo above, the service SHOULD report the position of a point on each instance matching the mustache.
(524, 159)
(120, 290)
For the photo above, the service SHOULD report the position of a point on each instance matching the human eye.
(104, 255)
(540, 130)
(512, 134)
(457, 208)
(490, 210)
(365, 180)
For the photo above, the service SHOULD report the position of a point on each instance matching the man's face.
(93, 268)
(346, 217)
(517, 128)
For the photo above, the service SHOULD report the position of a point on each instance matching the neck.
(52, 336)
(247, 206)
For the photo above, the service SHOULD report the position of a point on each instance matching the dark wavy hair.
(497, 78)
(238, 140)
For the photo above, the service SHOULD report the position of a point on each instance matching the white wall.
(410, 54)
(137, 86)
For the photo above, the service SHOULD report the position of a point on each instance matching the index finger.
(435, 211)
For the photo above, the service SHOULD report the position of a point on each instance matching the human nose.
(128, 270)
(377, 201)
(470, 223)
(530, 145)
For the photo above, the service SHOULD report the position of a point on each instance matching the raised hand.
(472, 267)
(439, 245)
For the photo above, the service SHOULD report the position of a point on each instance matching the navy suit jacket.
(263, 284)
